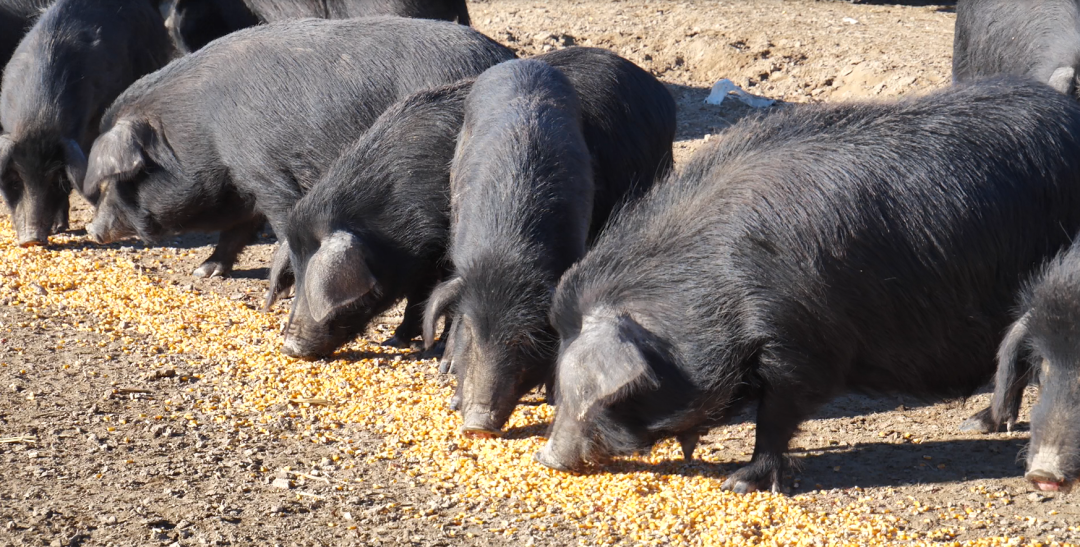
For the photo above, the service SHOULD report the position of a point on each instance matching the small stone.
(281, 483)
(1036, 497)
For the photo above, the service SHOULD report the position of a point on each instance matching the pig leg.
(411, 324)
(778, 418)
(789, 396)
(1013, 374)
(230, 243)
(60, 223)
(1004, 407)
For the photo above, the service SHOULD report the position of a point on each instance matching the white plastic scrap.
(726, 88)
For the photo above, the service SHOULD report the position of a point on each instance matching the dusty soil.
(110, 434)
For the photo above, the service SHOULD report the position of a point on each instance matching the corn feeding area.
(658, 498)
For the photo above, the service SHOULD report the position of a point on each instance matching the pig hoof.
(979, 423)
(748, 480)
(435, 352)
(739, 487)
(396, 342)
(446, 365)
(211, 269)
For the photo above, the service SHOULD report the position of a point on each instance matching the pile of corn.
(654, 499)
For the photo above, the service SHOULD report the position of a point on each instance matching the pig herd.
(531, 208)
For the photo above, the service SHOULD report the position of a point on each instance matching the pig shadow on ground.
(385, 359)
(888, 464)
(186, 241)
(944, 5)
(526, 432)
(697, 119)
(850, 406)
(862, 465)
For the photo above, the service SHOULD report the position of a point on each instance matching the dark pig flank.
(194, 23)
(521, 201)
(624, 104)
(78, 57)
(374, 229)
(1045, 342)
(179, 154)
(870, 247)
(1039, 40)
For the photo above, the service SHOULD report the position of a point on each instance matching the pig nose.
(95, 234)
(481, 423)
(546, 457)
(33, 240)
(294, 348)
(1047, 480)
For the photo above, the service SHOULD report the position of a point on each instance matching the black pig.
(76, 59)
(194, 23)
(374, 229)
(871, 247)
(1039, 40)
(238, 130)
(521, 201)
(1047, 335)
(628, 122)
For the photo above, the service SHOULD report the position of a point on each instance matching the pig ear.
(337, 275)
(605, 360)
(116, 154)
(75, 161)
(444, 296)
(1063, 79)
(5, 152)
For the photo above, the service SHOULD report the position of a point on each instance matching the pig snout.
(295, 347)
(97, 233)
(29, 229)
(33, 239)
(482, 421)
(1045, 472)
(305, 341)
(549, 456)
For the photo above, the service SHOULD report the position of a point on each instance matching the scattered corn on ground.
(654, 499)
